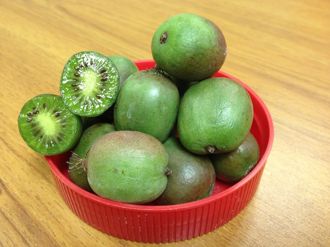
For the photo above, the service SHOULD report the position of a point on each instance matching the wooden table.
(280, 48)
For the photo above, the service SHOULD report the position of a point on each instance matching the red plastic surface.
(155, 224)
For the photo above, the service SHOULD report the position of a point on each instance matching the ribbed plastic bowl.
(156, 224)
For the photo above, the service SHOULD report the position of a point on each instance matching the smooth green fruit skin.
(90, 135)
(215, 115)
(148, 102)
(192, 177)
(233, 166)
(127, 166)
(77, 172)
(73, 125)
(124, 66)
(189, 47)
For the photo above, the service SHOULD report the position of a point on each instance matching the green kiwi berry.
(89, 84)
(47, 126)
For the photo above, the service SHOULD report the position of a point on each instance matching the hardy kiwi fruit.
(127, 166)
(89, 83)
(189, 47)
(192, 176)
(148, 102)
(77, 169)
(47, 126)
(215, 116)
(233, 166)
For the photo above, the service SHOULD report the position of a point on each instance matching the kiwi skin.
(233, 166)
(191, 177)
(47, 112)
(77, 170)
(148, 102)
(124, 66)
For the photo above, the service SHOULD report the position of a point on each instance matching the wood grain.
(280, 48)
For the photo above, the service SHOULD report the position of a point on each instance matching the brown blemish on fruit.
(163, 37)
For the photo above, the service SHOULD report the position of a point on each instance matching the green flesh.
(77, 171)
(124, 66)
(215, 116)
(148, 102)
(192, 177)
(90, 81)
(233, 166)
(48, 123)
(89, 84)
(47, 126)
(127, 166)
(189, 47)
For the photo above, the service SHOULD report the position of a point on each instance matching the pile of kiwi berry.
(160, 136)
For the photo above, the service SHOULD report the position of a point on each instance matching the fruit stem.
(210, 149)
(168, 171)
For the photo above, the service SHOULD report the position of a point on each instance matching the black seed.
(102, 70)
(29, 114)
(36, 112)
(91, 62)
(85, 64)
(104, 79)
(44, 105)
(59, 139)
(98, 96)
(57, 114)
(77, 74)
(163, 38)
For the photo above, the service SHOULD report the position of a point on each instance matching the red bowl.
(155, 224)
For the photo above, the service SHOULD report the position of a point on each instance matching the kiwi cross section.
(47, 126)
(89, 83)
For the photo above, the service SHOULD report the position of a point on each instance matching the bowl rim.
(189, 205)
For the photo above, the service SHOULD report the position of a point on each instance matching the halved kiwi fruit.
(47, 126)
(89, 83)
